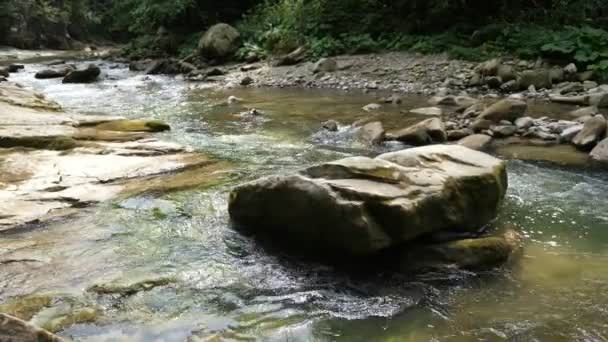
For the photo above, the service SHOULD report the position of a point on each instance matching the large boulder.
(507, 109)
(51, 73)
(220, 41)
(88, 75)
(15, 329)
(361, 206)
(423, 133)
(478, 142)
(593, 131)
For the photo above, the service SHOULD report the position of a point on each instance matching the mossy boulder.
(134, 126)
(15, 329)
(360, 206)
(472, 254)
(220, 41)
(131, 285)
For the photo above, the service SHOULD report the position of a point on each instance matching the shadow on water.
(227, 285)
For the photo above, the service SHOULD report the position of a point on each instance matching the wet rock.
(584, 112)
(219, 41)
(26, 307)
(15, 67)
(584, 76)
(51, 73)
(134, 126)
(14, 329)
(132, 284)
(480, 125)
(360, 206)
(4, 72)
(295, 57)
(3, 79)
(458, 134)
(233, 99)
(423, 133)
(524, 122)
(507, 109)
(330, 125)
(483, 253)
(593, 131)
(569, 133)
(372, 107)
(504, 130)
(540, 79)
(431, 111)
(478, 142)
(62, 316)
(560, 154)
(371, 133)
(510, 86)
(539, 134)
(460, 101)
(600, 152)
(245, 81)
(87, 75)
(325, 65)
(139, 65)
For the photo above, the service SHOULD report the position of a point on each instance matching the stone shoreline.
(52, 162)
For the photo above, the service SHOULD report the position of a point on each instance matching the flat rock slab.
(360, 206)
(52, 161)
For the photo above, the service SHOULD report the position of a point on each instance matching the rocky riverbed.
(137, 261)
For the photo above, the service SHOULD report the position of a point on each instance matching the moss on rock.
(134, 126)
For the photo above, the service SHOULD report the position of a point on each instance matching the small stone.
(524, 122)
(569, 133)
(504, 131)
(478, 142)
(331, 125)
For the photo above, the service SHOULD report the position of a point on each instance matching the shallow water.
(226, 284)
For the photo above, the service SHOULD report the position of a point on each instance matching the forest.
(465, 29)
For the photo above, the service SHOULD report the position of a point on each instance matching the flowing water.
(226, 285)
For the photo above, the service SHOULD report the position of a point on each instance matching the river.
(225, 285)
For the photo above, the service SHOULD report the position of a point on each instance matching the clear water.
(229, 286)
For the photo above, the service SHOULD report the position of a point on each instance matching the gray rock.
(450, 100)
(583, 112)
(371, 133)
(481, 125)
(504, 130)
(219, 41)
(507, 109)
(478, 142)
(360, 206)
(15, 67)
(51, 73)
(331, 125)
(493, 82)
(510, 86)
(245, 81)
(325, 65)
(506, 73)
(292, 58)
(569, 133)
(540, 79)
(593, 131)
(490, 67)
(423, 133)
(570, 70)
(600, 152)
(458, 134)
(524, 122)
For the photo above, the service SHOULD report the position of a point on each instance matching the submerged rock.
(360, 206)
(331, 125)
(14, 329)
(472, 254)
(431, 111)
(132, 285)
(134, 126)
